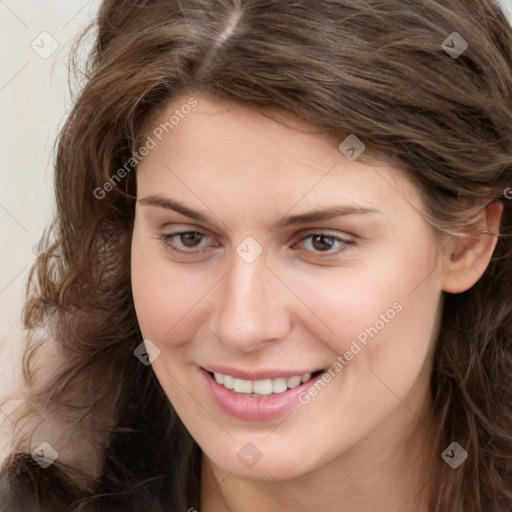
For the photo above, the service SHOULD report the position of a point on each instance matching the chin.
(264, 463)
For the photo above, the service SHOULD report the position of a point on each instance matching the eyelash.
(164, 239)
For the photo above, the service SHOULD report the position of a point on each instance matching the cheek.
(171, 300)
(161, 297)
(378, 312)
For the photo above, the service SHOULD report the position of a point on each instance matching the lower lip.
(257, 408)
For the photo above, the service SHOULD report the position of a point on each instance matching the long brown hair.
(381, 69)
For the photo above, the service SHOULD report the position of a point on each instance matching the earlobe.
(466, 258)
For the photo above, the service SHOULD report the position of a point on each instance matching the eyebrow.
(303, 218)
(170, 204)
(320, 215)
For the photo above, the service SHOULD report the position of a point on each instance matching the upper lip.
(257, 374)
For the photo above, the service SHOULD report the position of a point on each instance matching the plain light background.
(33, 105)
(35, 38)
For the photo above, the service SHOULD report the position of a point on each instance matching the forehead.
(219, 145)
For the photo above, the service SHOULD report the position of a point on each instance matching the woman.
(279, 273)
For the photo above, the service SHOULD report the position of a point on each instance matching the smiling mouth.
(261, 388)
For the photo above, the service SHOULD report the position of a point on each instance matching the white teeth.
(242, 386)
(260, 387)
(279, 385)
(293, 382)
(228, 381)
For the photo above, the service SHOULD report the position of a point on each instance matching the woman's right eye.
(184, 242)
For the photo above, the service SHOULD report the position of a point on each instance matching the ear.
(466, 258)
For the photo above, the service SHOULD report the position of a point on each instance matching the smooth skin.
(361, 444)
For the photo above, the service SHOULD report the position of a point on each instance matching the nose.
(250, 307)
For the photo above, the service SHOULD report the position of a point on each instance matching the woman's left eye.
(323, 243)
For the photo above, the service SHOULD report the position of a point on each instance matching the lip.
(250, 408)
(258, 375)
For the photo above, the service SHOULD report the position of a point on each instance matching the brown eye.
(185, 242)
(191, 238)
(323, 242)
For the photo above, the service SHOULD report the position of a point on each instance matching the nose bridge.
(246, 310)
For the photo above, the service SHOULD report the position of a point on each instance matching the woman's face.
(263, 254)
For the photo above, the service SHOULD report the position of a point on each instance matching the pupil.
(322, 242)
(190, 239)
